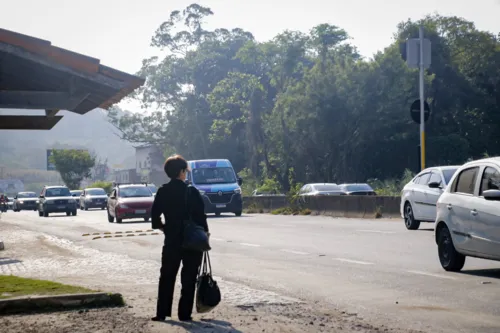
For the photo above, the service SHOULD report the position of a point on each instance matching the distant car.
(93, 198)
(468, 215)
(420, 195)
(357, 189)
(319, 189)
(10, 203)
(56, 199)
(258, 193)
(25, 201)
(152, 188)
(129, 201)
(76, 193)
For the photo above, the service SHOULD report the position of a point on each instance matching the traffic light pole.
(422, 99)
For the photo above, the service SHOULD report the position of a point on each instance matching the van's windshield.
(213, 176)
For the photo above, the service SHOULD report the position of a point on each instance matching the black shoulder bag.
(208, 294)
(194, 237)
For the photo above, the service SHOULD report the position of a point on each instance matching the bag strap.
(205, 267)
(186, 202)
(207, 259)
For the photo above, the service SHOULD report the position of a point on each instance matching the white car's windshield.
(448, 173)
(357, 188)
(57, 192)
(324, 188)
(96, 191)
(27, 195)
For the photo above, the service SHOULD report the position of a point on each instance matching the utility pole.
(416, 52)
(422, 97)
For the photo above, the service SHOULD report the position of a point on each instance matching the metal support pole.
(422, 99)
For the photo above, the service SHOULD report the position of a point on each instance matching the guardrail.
(355, 206)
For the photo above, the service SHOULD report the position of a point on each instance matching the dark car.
(25, 201)
(357, 189)
(129, 201)
(76, 193)
(56, 199)
(93, 198)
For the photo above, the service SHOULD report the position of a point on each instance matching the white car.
(320, 189)
(468, 215)
(420, 195)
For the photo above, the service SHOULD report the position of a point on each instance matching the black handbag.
(194, 236)
(208, 294)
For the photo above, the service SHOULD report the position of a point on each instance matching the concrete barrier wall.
(337, 206)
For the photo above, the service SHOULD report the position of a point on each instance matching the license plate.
(220, 206)
(140, 211)
(61, 207)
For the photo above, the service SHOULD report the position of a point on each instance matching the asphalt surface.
(375, 268)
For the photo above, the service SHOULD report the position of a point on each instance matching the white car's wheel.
(451, 260)
(410, 222)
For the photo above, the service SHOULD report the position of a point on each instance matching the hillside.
(92, 131)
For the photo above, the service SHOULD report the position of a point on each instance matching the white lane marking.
(294, 252)
(217, 239)
(378, 231)
(354, 261)
(433, 275)
(249, 244)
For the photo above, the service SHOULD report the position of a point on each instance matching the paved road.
(375, 268)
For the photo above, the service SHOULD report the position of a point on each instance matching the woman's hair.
(174, 165)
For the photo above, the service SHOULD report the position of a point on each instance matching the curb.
(2, 246)
(59, 302)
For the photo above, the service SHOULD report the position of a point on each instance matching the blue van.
(218, 184)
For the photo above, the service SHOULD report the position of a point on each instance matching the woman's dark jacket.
(170, 201)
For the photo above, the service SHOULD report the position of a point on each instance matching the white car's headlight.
(237, 191)
(21, 202)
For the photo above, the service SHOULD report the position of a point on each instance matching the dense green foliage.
(308, 108)
(106, 186)
(73, 165)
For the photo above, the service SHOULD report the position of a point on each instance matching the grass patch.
(14, 286)
(291, 211)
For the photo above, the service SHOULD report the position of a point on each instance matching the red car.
(130, 201)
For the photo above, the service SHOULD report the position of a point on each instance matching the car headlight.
(21, 202)
(237, 191)
(122, 206)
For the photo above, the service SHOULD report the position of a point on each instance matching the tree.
(306, 107)
(73, 165)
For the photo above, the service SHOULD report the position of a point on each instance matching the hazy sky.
(118, 32)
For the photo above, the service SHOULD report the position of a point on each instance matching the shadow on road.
(487, 273)
(426, 229)
(205, 325)
(9, 261)
(212, 216)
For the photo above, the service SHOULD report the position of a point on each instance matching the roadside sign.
(415, 111)
(50, 166)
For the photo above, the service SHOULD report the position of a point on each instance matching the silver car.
(93, 198)
(318, 189)
(468, 215)
(420, 195)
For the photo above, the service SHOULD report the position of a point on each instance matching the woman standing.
(170, 201)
